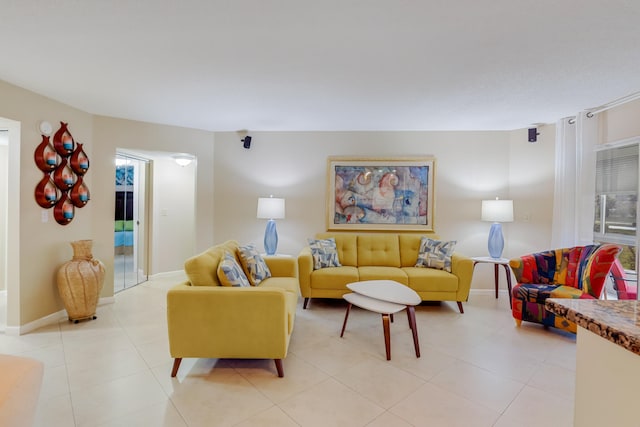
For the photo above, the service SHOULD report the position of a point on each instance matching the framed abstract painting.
(380, 193)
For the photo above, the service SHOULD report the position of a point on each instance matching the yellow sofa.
(390, 256)
(208, 320)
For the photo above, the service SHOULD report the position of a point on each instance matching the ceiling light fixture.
(183, 159)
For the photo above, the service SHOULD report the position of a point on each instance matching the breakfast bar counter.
(607, 359)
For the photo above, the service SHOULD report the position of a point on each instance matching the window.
(616, 200)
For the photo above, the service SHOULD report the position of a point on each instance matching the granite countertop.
(616, 321)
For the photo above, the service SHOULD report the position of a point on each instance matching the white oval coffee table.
(385, 297)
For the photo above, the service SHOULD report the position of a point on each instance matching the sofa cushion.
(202, 269)
(410, 247)
(253, 264)
(334, 278)
(382, 273)
(431, 280)
(435, 254)
(347, 245)
(379, 250)
(289, 284)
(324, 252)
(230, 273)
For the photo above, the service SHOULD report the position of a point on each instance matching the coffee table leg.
(411, 312)
(387, 335)
(344, 324)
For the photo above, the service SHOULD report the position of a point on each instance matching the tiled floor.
(476, 369)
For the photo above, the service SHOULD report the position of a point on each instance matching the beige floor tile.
(155, 352)
(433, 406)
(162, 414)
(387, 419)
(119, 366)
(502, 358)
(333, 355)
(478, 385)
(55, 412)
(221, 398)
(555, 380)
(534, 408)
(331, 403)
(380, 381)
(106, 367)
(110, 400)
(54, 382)
(299, 376)
(430, 363)
(272, 417)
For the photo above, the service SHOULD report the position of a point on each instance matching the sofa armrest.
(282, 266)
(305, 268)
(462, 267)
(219, 321)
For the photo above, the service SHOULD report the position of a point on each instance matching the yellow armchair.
(228, 322)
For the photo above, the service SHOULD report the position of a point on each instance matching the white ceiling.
(325, 64)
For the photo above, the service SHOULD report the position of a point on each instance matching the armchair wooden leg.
(176, 365)
(306, 301)
(279, 367)
(518, 322)
(460, 307)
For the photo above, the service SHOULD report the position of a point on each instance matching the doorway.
(130, 221)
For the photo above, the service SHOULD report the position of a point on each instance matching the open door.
(130, 222)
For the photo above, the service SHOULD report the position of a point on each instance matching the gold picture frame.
(379, 193)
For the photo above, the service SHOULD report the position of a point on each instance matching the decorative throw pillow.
(435, 254)
(253, 264)
(325, 253)
(230, 273)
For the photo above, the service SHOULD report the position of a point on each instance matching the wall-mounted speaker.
(246, 142)
(533, 134)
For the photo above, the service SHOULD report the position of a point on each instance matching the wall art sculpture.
(64, 164)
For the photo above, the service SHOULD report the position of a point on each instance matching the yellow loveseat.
(383, 256)
(208, 320)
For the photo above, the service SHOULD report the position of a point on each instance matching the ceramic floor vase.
(80, 282)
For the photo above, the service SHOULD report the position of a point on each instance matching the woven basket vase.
(80, 282)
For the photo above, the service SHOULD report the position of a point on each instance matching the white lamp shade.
(497, 210)
(270, 208)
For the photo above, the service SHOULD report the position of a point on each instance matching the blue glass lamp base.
(270, 238)
(496, 241)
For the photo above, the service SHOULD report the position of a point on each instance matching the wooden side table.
(497, 262)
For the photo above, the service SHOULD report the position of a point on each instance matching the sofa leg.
(460, 307)
(279, 367)
(306, 301)
(518, 322)
(176, 365)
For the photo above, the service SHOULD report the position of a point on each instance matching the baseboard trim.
(486, 292)
(47, 320)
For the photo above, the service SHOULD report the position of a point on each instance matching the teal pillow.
(324, 252)
(435, 254)
(230, 273)
(253, 264)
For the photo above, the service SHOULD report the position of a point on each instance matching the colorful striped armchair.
(578, 272)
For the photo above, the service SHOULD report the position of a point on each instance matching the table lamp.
(270, 208)
(496, 211)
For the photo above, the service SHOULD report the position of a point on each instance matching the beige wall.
(470, 167)
(4, 153)
(44, 246)
(621, 122)
(176, 235)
